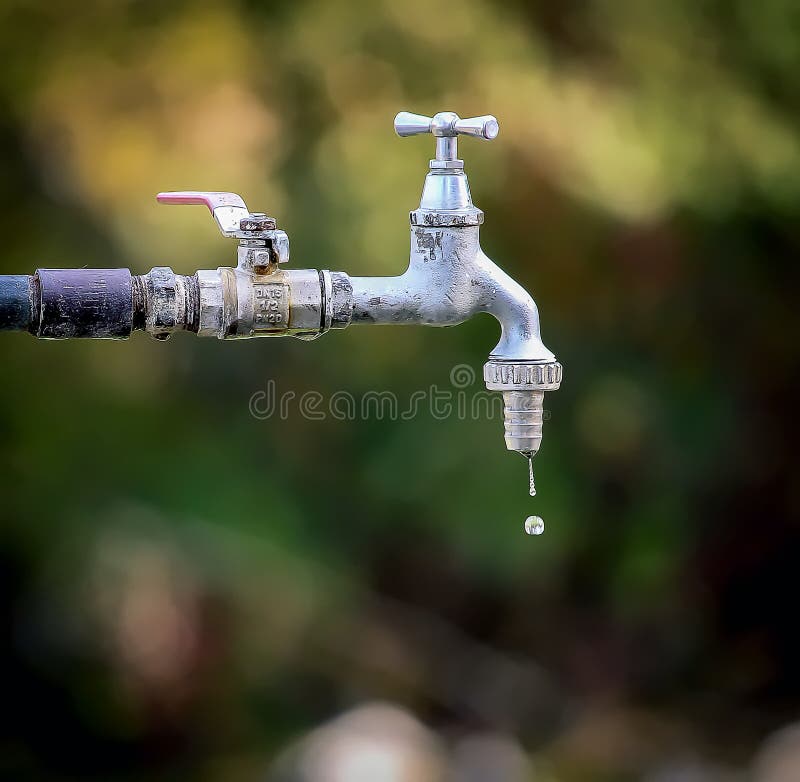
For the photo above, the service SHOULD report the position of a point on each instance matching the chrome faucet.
(448, 280)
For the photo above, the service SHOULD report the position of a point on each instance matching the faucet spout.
(517, 313)
(448, 280)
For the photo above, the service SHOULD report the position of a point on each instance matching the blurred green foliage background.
(191, 593)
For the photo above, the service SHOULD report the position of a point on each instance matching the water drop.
(532, 483)
(534, 525)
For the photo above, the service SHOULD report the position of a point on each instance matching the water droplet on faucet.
(534, 525)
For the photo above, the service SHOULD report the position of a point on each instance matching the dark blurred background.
(190, 593)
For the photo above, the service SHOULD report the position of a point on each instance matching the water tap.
(448, 280)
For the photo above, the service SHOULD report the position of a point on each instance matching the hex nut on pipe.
(211, 307)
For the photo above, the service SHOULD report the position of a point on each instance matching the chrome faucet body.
(448, 280)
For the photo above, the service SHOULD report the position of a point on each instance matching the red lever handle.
(228, 209)
(211, 199)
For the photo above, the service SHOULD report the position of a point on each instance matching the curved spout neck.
(448, 280)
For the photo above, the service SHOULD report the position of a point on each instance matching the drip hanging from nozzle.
(531, 482)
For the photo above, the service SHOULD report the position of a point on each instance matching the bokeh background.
(192, 593)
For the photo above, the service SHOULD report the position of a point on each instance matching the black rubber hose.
(16, 311)
(88, 303)
(98, 303)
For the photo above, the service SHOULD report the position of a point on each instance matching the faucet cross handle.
(446, 126)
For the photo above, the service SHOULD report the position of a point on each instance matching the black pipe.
(98, 303)
(91, 303)
(65, 303)
(16, 308)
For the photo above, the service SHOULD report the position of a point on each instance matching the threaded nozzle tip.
(523, 418)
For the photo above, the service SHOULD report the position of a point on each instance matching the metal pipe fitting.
(226, 303)
(304, 303)
(523, 385)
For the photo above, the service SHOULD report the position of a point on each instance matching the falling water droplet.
(530, 475)
(534, 525)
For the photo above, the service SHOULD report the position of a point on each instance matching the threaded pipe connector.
(523, 417)
(523, 385)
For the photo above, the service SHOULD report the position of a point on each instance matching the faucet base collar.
(438, 219)
(521, 376)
